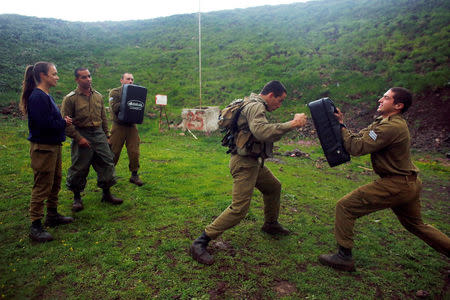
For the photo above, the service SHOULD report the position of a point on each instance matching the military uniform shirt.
(388, 141)
(85, 111)
(254, 114)
(114, 102)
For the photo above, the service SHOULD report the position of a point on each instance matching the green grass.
(140, 248)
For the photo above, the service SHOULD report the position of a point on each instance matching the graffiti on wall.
(195, 121)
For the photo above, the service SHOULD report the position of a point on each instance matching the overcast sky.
(114, 10)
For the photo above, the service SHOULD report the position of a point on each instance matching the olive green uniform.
(46, 165)
(123, 133)
(247, 169)
(398, 188)
(89, 121)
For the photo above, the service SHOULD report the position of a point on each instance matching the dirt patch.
(11, 110)
(218, 291)
(172, 258)
(163, 228)
(284, 288)
(446, 287)
(220, 245)
(302, 267)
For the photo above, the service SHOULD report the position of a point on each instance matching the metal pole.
(200, 53)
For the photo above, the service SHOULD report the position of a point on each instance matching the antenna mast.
(200, 53)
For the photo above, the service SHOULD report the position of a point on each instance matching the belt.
(124, 124)
(411, 177)
(89, 128)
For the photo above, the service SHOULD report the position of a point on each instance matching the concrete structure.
(200, 119)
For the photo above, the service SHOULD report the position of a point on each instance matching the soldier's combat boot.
(135, 179)
(274, 228)
(198, 250)
(54, 218)
(77, 203)
(108, 197)
(38, 233)
(342, 260)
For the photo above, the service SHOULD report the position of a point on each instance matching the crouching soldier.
(398, 188)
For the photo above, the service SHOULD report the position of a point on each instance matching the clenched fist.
(299, 120)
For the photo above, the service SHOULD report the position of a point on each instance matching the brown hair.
(402, 95)
(31, 80)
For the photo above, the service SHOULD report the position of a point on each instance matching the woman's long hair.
(31, 80)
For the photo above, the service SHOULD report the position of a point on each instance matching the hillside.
(349, 50)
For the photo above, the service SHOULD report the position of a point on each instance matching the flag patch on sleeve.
(373, 135)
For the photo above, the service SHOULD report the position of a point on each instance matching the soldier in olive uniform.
(90, 134)
(254, 143)
(122, 132)
(398, 188)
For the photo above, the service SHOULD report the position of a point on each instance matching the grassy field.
(139, 250)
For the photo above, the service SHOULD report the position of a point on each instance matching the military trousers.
(128, 135)
(46, 165)
(399, 193)
(99, 155)
(247, 173)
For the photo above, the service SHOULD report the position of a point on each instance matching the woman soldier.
(46, 133)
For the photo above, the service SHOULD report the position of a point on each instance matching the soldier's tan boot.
(198, 250)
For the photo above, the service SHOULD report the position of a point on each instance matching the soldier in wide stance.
(398, 188)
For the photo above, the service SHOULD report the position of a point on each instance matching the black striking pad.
(132, 105)
(329, 131)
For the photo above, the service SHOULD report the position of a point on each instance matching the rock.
(422, 294)
(296, 153)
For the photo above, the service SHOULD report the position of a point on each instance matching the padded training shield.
(132, 104)
(329, 131)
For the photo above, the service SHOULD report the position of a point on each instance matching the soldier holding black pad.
(387, 140)
(124, 133)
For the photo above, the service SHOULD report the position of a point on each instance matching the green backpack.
(228, 119)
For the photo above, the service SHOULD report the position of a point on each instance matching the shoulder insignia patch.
(110, 99)
(373, 135)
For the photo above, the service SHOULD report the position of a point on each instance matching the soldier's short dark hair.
(78, 70)
(402, 95)
(275, 87)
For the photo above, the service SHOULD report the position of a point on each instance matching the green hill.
(350, 50)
